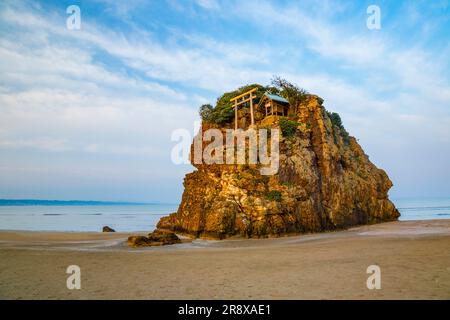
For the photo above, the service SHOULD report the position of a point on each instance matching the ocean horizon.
(76, 215)
(88, 216)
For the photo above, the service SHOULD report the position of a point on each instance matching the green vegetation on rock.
(274, 195)
(337, 122)
(288, 127)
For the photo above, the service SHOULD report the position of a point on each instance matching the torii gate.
(243, 99)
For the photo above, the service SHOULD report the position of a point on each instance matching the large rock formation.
(325, 182)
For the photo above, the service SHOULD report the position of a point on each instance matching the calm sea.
(128, 217)
(423, 208)
(132, 217)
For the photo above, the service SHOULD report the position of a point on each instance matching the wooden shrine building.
(274, 105)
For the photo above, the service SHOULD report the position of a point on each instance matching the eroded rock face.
(324, 182)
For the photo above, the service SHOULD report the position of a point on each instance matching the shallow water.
(423, 208)
(83, 217)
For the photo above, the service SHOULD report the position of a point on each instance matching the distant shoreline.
(35, 202)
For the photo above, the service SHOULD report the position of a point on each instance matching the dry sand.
(414, 257)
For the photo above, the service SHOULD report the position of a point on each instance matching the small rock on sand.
(156, 238)
(108, 229)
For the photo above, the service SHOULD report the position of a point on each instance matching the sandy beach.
(414, 257)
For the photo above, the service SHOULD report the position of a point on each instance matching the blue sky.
(88, 114)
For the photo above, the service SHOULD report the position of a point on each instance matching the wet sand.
(414, 257)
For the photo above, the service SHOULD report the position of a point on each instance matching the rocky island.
(325, 181)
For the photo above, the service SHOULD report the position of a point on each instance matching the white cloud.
(208, 4)
(55, 97)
